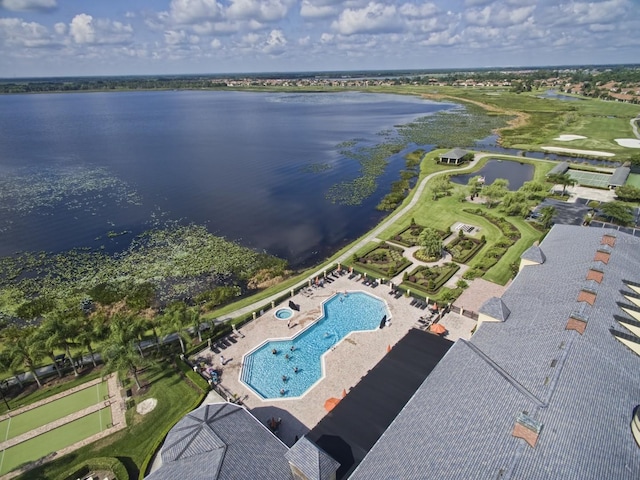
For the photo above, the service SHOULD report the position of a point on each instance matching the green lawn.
(634, 180)
(55, 410)
(54, 440)
(441, 213)
(141, 437)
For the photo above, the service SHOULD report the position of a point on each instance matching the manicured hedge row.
(492, 255)
(99, 463)
(463, 256)
(447, 271)
(194, 377)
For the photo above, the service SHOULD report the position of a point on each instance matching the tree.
(7, 365)
(534, 190)
(628, 193)
(92, 330)
(431, 243)
(193, 315)
(58, 331)
(441, 186)
(22, 349)
(546, 216)
(515, 203)
(175, 320)
(474, 185)
(119, 351)
(563, 179)
(618, 212)
(494, 192)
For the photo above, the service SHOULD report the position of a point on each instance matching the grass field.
(51, 411)
(634, 180)
(140, 438)
(54, 440)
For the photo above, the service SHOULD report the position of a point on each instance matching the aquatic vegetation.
(171, 263)
(26, 191)
(459, 127)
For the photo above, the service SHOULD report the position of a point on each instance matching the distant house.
(454, 157)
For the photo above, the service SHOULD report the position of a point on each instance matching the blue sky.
(115, 37)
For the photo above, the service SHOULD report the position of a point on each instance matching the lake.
(515, 172)
(94, 169)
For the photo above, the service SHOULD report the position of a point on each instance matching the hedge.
(195, 378)
(444, 276)
(99, 463)
(467, 254)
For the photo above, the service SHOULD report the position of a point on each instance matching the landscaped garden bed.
(430, 279)
(463, 248)
(384, 259)
(409, 236)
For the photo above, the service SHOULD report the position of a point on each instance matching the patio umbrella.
(437, 328)
(330, 403)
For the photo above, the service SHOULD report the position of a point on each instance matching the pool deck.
(345, 364)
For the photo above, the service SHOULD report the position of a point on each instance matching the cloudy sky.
(114, 37)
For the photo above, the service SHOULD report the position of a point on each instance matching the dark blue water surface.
(516, 173)
(252, 167)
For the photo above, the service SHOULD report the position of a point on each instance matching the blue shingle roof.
(580, 389)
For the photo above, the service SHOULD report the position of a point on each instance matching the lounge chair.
(413, 302)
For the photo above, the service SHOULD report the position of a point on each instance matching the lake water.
(77, 169)
(517, 173)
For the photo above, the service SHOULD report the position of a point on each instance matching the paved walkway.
(345, 364)
(118, 422)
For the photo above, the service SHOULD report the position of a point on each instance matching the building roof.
(312, 461)
(349, 431)
(495, 308)
(572, 393)
(221, 441)
(456, 153)
(561, 167)
(619, 176)
(534, 254)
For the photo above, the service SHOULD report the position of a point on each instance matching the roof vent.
(608, 239)
(579, 318)
(587, 295)
(595, 274)
(602, 256)
(527, 428)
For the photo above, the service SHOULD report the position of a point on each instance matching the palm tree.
(563, 179)
(194, 319)
(22, 349)
(92, 330)
(60, 328)
(119, 351)
(7, 365)
(40, 340)
(176, 320)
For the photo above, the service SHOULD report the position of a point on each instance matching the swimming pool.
(267, 373)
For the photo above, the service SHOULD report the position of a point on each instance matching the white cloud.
(25, 5)
(18, 33)
(173, 37)
(498, 15)
(309, 9)
(85, 30)
(259, 10)
(418, 11)
(60, 28)
(216, 43)
(81, 29)
(276, 43)
(193, 11)
(374, 18)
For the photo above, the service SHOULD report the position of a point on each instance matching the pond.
(515, 172)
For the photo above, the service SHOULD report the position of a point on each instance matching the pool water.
(284, 313)
(265, 372)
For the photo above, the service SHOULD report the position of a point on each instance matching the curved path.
(370, 236)
(634, 126)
